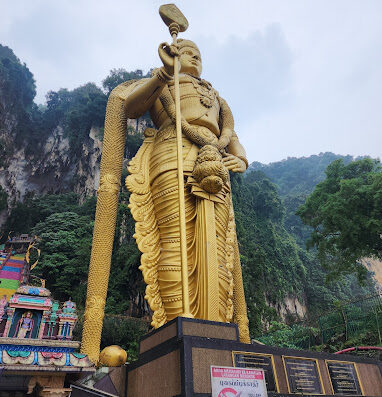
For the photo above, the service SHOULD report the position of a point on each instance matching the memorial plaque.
(344, 379)
(302, 375)
(261, 361)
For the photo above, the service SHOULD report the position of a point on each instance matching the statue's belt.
(169, 132)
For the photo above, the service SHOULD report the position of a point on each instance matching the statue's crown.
(187, 43)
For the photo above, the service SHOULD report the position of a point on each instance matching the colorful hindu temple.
(37, 354)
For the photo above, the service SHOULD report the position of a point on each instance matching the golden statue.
(190, 259)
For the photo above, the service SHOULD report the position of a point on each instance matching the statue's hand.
(233, 163)
(223, 142)
(167, 53)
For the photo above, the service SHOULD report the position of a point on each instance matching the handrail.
(350, 349)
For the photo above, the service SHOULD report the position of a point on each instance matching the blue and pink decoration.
(32, 314)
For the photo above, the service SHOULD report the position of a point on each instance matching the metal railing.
(347, 320)
(352, 318)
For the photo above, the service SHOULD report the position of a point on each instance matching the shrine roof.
(33, 290)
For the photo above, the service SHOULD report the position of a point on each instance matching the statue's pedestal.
(175, 361)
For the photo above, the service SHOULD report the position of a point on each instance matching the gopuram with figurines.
(38, 356)
(181, 202)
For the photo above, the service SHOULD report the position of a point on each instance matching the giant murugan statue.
(210, 149)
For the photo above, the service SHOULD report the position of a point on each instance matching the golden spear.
(176, 23)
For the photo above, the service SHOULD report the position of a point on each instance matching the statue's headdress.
(187, 43)
(25, 313)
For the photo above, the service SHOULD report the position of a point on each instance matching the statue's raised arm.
(144, 93)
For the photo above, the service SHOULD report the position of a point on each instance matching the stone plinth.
(175, 361)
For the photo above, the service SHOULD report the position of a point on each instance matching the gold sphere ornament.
(112, 356)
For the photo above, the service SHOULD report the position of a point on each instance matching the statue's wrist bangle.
(163, 76)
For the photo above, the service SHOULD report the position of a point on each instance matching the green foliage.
(298, 175)
(77, 111)
(270, 261)
(352, 324)
(65, 245)
(348, 324)
(319, 292)
(134, 141)
(16, 80)
(345, 212)
(296, 336)
(25, 215)
(65, 230)
(118, 76)
(124, 332)
(17, 91)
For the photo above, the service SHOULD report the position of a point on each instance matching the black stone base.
(175, 361)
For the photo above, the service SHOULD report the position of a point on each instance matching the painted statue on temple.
(210, 149)
(25, 325)
(69, 306)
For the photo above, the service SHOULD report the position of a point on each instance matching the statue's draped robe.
(210, 228)
(207, 219)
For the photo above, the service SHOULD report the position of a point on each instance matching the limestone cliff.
(53, 169)
(292, 308)
(375, 266)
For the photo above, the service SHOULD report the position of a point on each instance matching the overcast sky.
(301, 76)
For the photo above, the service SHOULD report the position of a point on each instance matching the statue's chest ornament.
(207, 94)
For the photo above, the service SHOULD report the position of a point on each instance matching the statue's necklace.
(205, 90)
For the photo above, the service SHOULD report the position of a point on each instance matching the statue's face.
(190, 61)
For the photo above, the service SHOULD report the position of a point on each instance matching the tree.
(18, 112)
(77, 111)
(118, 76)
(345, 211)
(65, 242)
(16, 81)
(34, 209)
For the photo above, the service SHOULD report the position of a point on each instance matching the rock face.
(375, 266)
(291, 307)
(54, 170)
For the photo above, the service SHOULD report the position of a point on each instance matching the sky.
(301, 76)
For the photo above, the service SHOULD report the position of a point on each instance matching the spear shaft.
(176, 23)
(182, 211)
